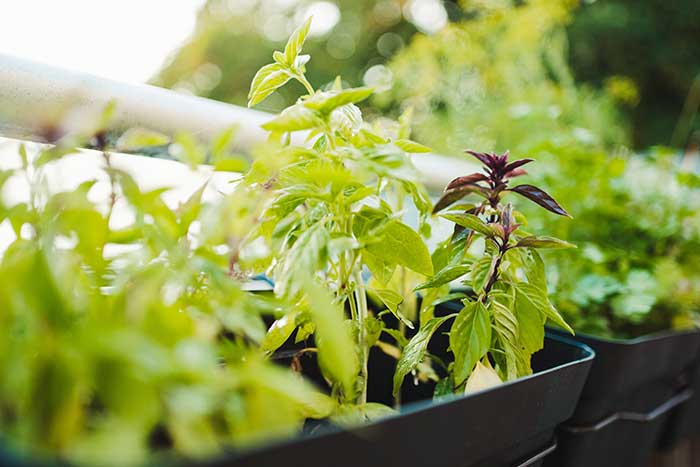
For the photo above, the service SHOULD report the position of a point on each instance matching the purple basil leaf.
(485, 159)
(540, 197)
(450, 196)
(515, 173)
(515, 164)
(466, 180)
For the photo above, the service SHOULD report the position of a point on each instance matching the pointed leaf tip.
(540, 197)
(482, 157)
(515, 164)
(466, 180)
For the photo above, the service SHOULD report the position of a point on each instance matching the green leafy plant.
(502, 321)
(636, 270)
(123, 345)
(336, 211)
(500, 78)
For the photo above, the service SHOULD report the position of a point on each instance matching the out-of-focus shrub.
(653, 43)
(637, 227)
(499, 79)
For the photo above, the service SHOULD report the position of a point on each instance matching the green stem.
(307, 85)
(362, 314)
(402, 325)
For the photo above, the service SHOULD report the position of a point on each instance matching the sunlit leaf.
(336, 350)
(294, 118)
(482, 377)
(327, 101)
(411, 146)
(296, 42)
(543, 242)
(266, 81)
(399, 244)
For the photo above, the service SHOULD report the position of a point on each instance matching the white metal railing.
(33, 94)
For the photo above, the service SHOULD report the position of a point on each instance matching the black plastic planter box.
(507, 426)
(684, 421)
(633, 387)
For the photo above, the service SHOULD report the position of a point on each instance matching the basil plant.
(501, 323)
(336, 213)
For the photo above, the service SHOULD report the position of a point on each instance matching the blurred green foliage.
(499, 80)
(233, 39)
(499, 76)
(637, 227)
(638, 57)
(121, 344)
(655, 44)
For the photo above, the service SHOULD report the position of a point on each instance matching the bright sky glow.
(125, 40)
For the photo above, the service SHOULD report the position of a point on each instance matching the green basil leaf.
(266, 81)
(543, 242)
(294, 118)
(538, 299)
(279, 332)
(443, 388)
(534, 268)
(469, 221)
(470, 339)
(445, 276)
(380, 269)
(481, 271)
(288, 386)
(392, 300)
(296, 42)
(326, 101)
(414, 351)
(303, 258)
(506, 329)
(337, 354)
(368, 222)
(411, 146)
(400, 244)
(350, 415)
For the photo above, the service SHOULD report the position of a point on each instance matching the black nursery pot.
(633, 389)
(506, 426)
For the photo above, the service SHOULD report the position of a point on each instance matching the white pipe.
(35, 96)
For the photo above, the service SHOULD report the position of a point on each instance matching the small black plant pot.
(633, 388)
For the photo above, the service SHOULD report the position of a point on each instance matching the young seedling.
(334, 215)
(502, 321)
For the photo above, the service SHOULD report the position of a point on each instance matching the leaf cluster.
(125, 344)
